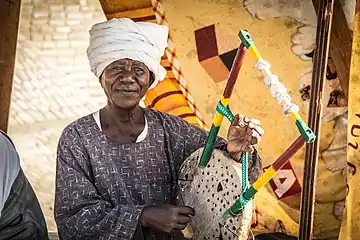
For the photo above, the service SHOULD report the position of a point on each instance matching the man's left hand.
(243, 134)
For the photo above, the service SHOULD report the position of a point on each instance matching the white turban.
(121, 38)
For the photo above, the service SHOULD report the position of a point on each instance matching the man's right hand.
(166, 217)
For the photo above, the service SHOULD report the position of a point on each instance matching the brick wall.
(53, 85)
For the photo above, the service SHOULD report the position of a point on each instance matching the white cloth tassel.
(267, 72)
(271, 79)
(279, 92)
(263, 65)
(277, 88)
(291, 108)
(283, 99)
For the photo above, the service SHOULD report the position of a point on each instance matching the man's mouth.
(125, 91)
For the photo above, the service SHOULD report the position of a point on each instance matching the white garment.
(121, 38)
(142, 135)
(9, 168)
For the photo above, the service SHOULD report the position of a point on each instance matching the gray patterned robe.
(102, 187)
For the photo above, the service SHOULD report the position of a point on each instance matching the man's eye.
(138, 69)
(117, 68)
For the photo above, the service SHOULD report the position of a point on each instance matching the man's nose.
(128, 76)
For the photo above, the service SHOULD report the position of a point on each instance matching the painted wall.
(274, 38)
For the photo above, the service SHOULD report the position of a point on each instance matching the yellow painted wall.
(252, 98)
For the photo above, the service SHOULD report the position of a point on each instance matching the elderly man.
(20, 213)
(116, 168)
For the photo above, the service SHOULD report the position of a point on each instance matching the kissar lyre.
(218, 188)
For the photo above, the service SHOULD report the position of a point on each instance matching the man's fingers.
(244, 133)
(252, 120)
(178, 226)
(259, 130)
(254, 124)
(255, 121)
(248, 131)
(255, 138)
(185, 210)
(240, 120)
(236, 120)
(182, 219)
(249, 149)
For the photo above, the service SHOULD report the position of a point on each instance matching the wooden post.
(340, 46)
(324, 16)
(351, 219)
(9, 19)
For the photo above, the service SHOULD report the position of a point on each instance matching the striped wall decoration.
(174, 64)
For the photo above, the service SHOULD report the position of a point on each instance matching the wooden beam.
(9, 18)
(340, 46)
(350, 225)
(116, 6)
(135, 14)
(324, 20)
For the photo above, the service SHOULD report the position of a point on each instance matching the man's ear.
(101, 81)
(152, 78)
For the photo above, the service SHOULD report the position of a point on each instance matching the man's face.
(125, 82)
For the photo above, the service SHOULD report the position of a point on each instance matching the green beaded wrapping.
(225, 111)
(249, 193)
(238, 205)
(244, 172)
(242, 200)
